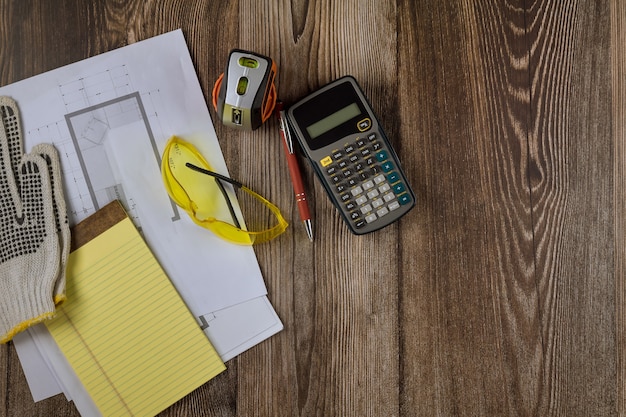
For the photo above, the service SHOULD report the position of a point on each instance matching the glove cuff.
(25, 301)
(25, 325)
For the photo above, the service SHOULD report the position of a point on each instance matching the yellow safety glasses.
(196, 188)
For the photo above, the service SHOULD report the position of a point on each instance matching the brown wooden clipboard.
(97, 223)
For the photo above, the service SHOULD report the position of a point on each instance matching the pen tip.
(309, 229)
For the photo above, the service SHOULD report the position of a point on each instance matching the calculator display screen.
(332, 121)
(330, 115)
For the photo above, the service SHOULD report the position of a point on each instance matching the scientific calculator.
(344, 141)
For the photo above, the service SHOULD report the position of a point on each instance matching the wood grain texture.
(618, 84)
(501, 293)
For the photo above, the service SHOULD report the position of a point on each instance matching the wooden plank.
(497, 145)
(37, 38)
(618, 66)
(469, 306)
(338, 354)
(571, 178)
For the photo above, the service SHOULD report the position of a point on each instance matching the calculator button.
(399, 188)
(368, 184)
(347, 173)
(394, 206)
(377, 203)
(335, 178)
(389, 197)
(340, 188)
(337, 155)
(349, 149)
(350, 205)
(364, 175)
(354, 215)
(327, 160)
(384, 188)
(387, 166)
(377, 146)
(370, 160)
(393, 177)
(366, 209)
(365, 152)
(359, 223)
(382, 211)
(370, 218)
(371, 136)
(382, 155)
(356, 191)
(345, 197)
(354, 158)
(379, 179)
(331, 170)
(361, 200)
(343, 164)
(376, 169)
(372, 194)
(404, 199)
(352, 182)
(364, 124)
(360, 142)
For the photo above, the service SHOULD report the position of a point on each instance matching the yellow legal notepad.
(125, 330)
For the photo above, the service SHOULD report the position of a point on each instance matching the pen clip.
(284, 127)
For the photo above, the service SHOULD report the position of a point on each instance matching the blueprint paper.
(129, 102)
(45, 384)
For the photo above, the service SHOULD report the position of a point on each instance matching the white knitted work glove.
(50, 155)
(31, 240)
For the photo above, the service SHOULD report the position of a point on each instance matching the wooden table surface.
(501, 293)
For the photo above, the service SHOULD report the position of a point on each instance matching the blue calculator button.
(399, 188)
(393, 177)
(387, 166)
(404, 199)
(382, 155)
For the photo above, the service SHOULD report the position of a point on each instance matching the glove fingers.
(36, 197)
(50, 155)
(13, 130)
(10, 144)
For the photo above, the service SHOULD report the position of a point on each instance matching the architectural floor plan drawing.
(95, 131)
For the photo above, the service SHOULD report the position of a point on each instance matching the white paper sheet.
(109, 117)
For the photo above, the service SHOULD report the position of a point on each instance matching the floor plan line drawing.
(94, 129)
(101, 86)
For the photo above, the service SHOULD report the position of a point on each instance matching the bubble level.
(248, 62)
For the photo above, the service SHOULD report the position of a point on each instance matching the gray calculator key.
(382, 211)
(356, 191)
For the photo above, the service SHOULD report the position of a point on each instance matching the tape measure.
(244, 95)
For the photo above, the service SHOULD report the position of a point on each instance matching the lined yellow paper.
(125, 330)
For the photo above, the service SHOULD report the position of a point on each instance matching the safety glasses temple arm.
(214, 174)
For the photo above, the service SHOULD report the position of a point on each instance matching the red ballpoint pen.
(294, 171)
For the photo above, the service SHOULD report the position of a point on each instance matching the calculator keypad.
(366, 180)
